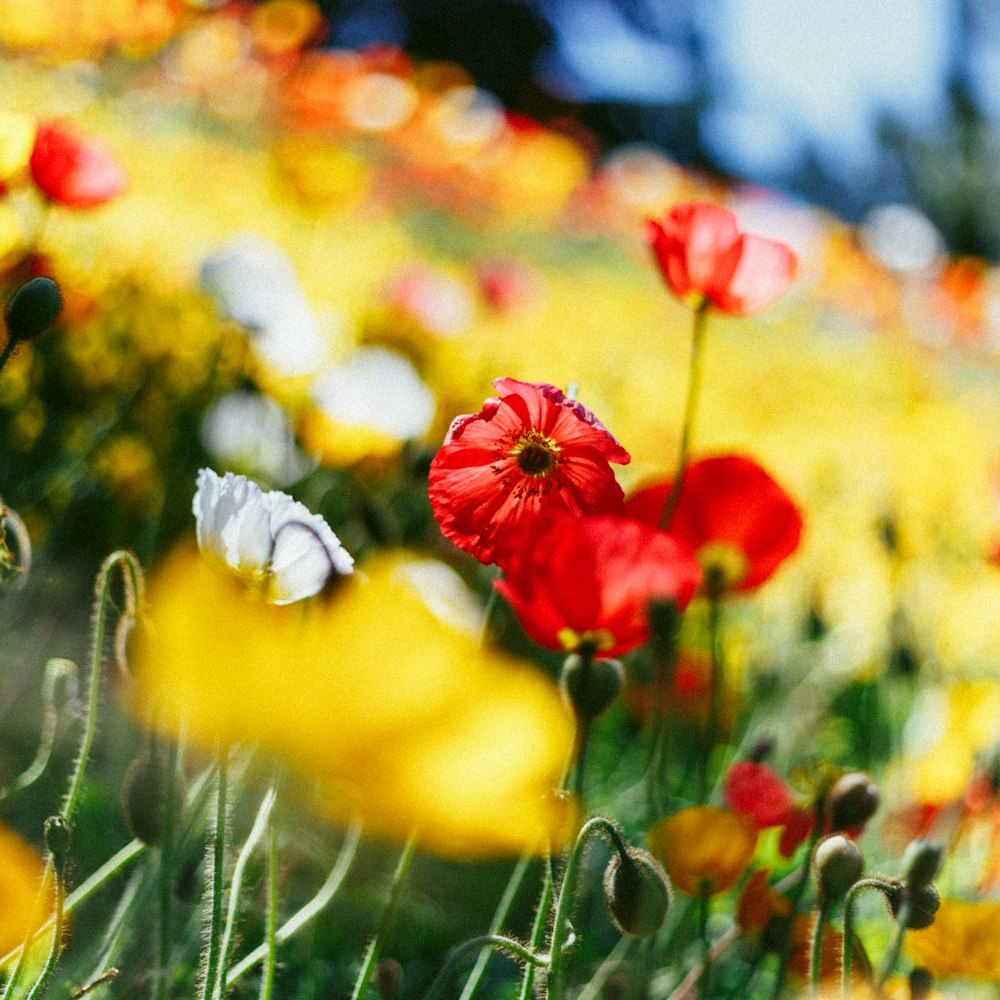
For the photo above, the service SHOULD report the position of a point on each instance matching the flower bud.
(837, 865)
(924, 903)
(637, 892)
(920, 983)
(921, 863)
(388, 978)
(142, 799)
(58, 836)
(852, 800)
(33, 308)
(591, 685)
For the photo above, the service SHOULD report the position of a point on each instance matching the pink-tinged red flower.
(528, 454)
(731, 516)
(706, 260)
(584, 584)
(73, 168)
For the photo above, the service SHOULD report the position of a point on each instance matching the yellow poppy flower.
(22, 878)
(375, 690)
(704, 848)
(962, 941)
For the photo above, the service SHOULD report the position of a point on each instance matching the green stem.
(564, 904)
(538, 930)
(498, 941)
(132, 576)
(371, 956)
(816, 946)
(57, 671)
(714, 697)
(260, 824)
(704, 905)
(8, 351)
(499, 916)
(862, 885)
(690, 407)
(55, 948)
(891, 957)
(491, 606)
(311, 909)
(796, 901)
(271, 928)
(172, 767)
(215, 890)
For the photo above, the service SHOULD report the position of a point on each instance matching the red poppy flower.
(731, 515)
(73, 168)
(529, 453)
(584, 584)
(757, 792)
(705, 258)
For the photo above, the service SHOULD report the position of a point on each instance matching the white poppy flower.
(266, 537)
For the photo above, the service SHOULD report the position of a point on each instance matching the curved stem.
(499, 916)
(311, 909)
(704, 905)
(371, 956)
(564, 904)
(132, 576)
(860, 886)
(498, 941)
(690, 407)
(56, 670)
(8, 351)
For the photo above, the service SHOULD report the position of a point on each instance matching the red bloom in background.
(584, 584)
(528, 454)
(757, 792)
(705, 258)
(730, 515)
(73, 168)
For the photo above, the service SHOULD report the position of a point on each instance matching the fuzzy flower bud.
(590, 686)
(637, 892)
(921, 863)
(837, 865)
(924, 903)
(142, 799)
(58, 836)
(852, 800)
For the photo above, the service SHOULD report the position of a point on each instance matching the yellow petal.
(374, 690)
(962, 941)
(17, 139)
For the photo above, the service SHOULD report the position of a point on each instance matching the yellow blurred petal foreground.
(21, 872)
(372, 690)
(963, 941)
(704, 848)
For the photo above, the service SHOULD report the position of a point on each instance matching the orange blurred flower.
(962, 941)
(704, 848)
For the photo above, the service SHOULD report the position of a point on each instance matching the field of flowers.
(438, 561)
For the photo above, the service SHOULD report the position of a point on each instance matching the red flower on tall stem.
(731, 516)
(584, 584)
(528, 454)
(707, 260)
(73, 168)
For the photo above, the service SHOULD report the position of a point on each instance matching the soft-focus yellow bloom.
(17, 137)
(20, 879)
(374, 690)
(962, 942)
(11, 230)
(704, 848)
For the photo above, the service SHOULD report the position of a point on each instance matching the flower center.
(536, 454)
(724, 566)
